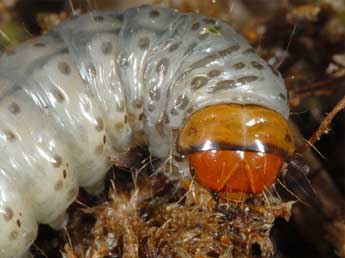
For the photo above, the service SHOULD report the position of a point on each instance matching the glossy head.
(236, 148)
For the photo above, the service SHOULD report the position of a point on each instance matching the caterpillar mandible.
(101, 83)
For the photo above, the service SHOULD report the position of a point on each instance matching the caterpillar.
(99, 84)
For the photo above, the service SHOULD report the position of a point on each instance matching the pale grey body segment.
(100, 84)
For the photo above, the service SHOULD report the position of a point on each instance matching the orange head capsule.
(236, 148)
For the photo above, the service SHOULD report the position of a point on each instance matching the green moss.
(11, 32)
(213, 30)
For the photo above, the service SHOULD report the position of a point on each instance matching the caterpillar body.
(101, 83)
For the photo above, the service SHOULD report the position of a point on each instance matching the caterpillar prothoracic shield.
(101, 83)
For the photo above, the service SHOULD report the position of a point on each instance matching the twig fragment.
(324, 126)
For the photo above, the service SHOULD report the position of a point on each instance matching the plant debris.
(174, 221)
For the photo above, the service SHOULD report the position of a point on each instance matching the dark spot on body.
(210, 21)
(56, 36)
(214, 73)
(141, 117)
(117, 31)
(14, 108)
(9, 135)
(59, 96)
(106, 48)
(174, 46)
(8, 214)
(257, 65)
(98, 18)
(282, 96)
(229, 50)
(198, 82)
(166, 118)
(104, 139)
(57, 161)
(195, 26)
(39, 44)
(247, 79)
(64, 68)
(154, 13)
(223, 85)
(217, 28)
(238, 66)
(144, 43)
(190, 110)
(151, 107)
(64, 173)
(18, 223)
(120, 17)
(213, 57)
(174, 111)
(99, 124)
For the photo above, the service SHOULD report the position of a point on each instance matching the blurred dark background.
(305, 40)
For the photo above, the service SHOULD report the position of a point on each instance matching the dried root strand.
(195, 223)
(324, 126)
